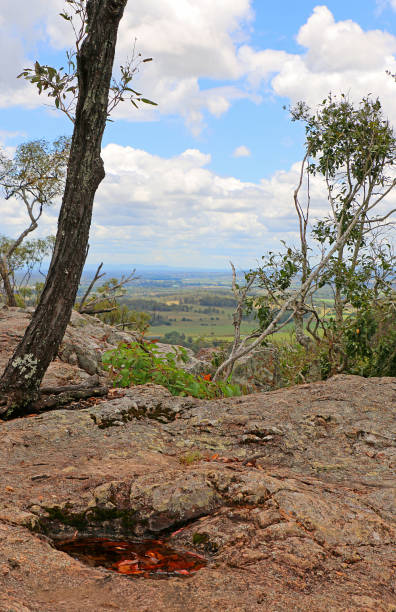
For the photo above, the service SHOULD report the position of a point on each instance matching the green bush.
(376, 348)
(139, 363)
(366, 342)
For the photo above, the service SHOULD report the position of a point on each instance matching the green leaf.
(146, 101)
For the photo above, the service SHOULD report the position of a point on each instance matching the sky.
(208, 175)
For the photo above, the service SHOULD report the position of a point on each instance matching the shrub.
(138, 363)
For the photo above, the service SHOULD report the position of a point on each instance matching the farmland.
(190, 308)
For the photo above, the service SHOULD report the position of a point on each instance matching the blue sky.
(209, 175)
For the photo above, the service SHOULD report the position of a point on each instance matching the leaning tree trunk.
(5, 277)
(20, 383)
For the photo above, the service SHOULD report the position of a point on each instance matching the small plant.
(200, 538)
(190, 458)
(138, 363)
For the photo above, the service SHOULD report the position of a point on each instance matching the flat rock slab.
(290, 496)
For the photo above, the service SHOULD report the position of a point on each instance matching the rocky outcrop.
(80, 354)
(290, 496)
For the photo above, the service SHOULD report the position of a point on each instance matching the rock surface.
(289, 494)
(80, 354)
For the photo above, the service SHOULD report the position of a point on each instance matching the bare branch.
(96, 277)
(295, 296)
(108, 293)
(93, 311)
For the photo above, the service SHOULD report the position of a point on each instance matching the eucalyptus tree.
(352, 148)
(96, 37)
(21, 262)
(35, 177)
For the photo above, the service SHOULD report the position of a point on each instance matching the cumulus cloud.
(150, 208)
(339, 57)
(188, 41)
(336, 56)
(242, 151)
(192, 41)
(177, 208)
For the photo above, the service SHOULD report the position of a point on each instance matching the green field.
(195, 320)
(197, 306)
(181, 310)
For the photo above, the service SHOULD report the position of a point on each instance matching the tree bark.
(5, 277)
(19, 385)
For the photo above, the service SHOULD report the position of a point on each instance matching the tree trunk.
(301, 337)
(5, 277)
(22, 377)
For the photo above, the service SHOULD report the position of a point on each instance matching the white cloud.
(191, 41)
(242, 151)
(340, 57)
(342, 46)
(383, 4)
(260, 65)
(188, 41)
(150, 207)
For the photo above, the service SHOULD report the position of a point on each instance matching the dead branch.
(244, 348)
(240, 294)
(61, 400)
(110, 294)
(92, 311)
(55, 398)
(92, 381)
(90, 286)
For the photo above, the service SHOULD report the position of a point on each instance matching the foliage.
(139, 363)
(190, 458)
(23, 260)
(36, 173)
(125, 318)
(36, 177)
(295, 366)
(368, 342)
(62, 84)
(369, 339)
(353, 149)
(353, 144)
(175, 337)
